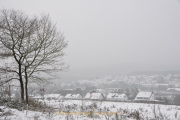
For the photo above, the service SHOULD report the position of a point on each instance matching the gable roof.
(72, 96)
(144, 95)
(116, 95)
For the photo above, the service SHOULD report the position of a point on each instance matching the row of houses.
(141, 96)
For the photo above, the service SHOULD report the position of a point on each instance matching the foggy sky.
(111, 37)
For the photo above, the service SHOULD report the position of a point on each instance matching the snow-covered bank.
(146, 111)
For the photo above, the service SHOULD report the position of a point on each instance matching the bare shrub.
(135, 115)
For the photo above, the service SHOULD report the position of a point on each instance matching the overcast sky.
(111, 37)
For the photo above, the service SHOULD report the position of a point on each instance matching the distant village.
(163, 89)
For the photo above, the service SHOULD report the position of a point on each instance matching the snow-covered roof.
(116, 95)
(174, 89)
(144, 95)
(93, 95)
(72, 96)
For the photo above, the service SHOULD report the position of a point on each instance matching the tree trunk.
(26, 83)
(22, 90)
(21, 83)
(26, 89)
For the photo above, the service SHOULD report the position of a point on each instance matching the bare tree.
(35, 44)
(12, 32)
(47, 53)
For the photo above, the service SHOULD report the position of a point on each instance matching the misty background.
(112, 37)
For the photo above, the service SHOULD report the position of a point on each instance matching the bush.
(177, 100)
(33, 105)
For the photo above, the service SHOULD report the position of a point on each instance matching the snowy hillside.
(146, 111)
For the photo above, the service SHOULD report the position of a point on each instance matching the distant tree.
(160, 79)
(34, 43)
(90, 88)
(177, 100)
(78, 91)
(127, 92)
(134, 92)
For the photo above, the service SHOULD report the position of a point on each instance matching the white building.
(94, 96)
(117, 97)
(173, 89)
(145, 96)
(73, 96)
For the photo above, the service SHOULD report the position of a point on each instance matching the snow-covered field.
(147, 111)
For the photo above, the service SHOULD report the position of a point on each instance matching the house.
(73, 96)
(173, 89)
(145, 96)
(94, 96)
(117, 97)
(53, 96)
